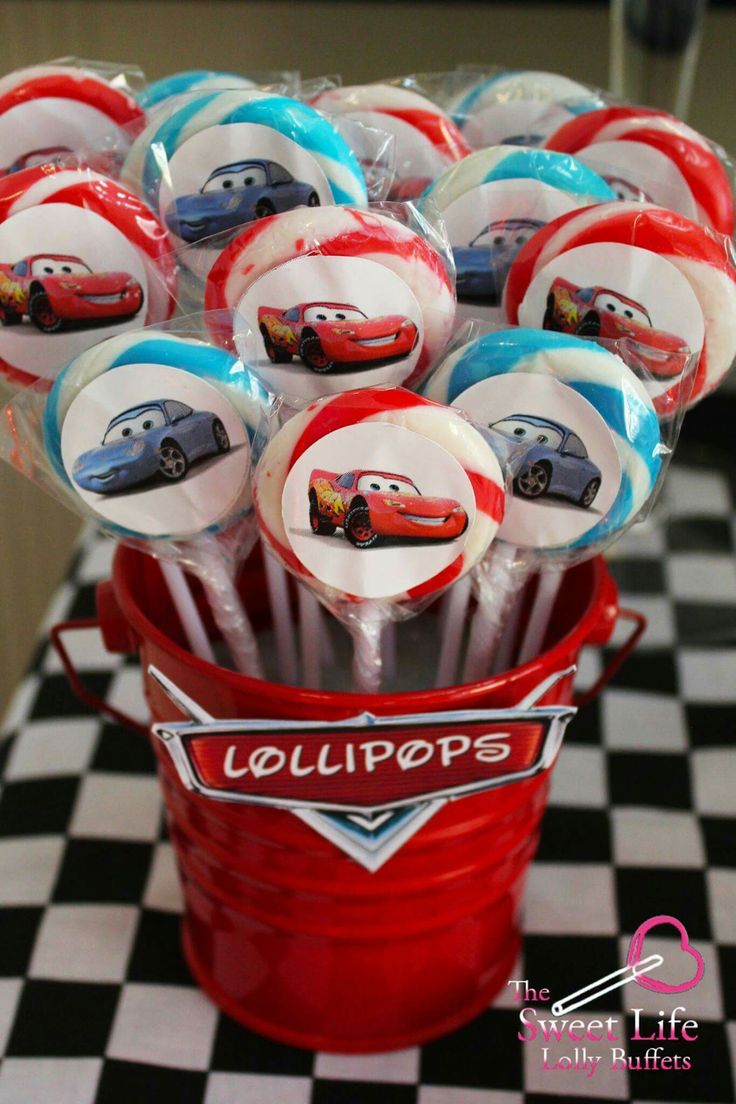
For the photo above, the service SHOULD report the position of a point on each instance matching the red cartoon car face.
(327, 335)
(55, 290)
(600, 312)
(369, 505)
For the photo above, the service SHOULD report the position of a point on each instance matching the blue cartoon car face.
(555, 462)
(235, 194)
(160, 439)
(482, 266)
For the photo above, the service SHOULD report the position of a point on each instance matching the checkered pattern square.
(97, 1005)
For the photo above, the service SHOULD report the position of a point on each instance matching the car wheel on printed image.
(313, 200)
(173, 464)
(264, 209)
(276, 356)
(313, 355)
(42, 314)
(587, 498)
(549, 322)
(220, 434)
(589, 326)
(11, 317)
(317, 523)
(358, 528)
(534, 481)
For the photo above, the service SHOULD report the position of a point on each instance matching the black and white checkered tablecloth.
(97, 1005)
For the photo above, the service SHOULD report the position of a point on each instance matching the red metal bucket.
(284, 931)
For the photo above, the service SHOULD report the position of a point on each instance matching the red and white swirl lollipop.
(333, 298)
(81, 259)
(426, 139)
(49, 111)
(378, 500)
(650, 155)
(608, 242)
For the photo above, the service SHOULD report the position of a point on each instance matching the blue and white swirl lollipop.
(586, 450)
(224, 159)
(190, 80)
(150, 434)
(493, 201)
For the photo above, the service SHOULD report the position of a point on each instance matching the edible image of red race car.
(331, 335)
(369, 505)
(600, 312)
(55, 290)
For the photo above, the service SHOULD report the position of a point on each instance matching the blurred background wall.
(360, 40)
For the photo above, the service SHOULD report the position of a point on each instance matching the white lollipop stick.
(452, 622)
(615, 980)
(311, 630)
(187, 611)
(544, 600)
(227, 608)
(388, 645)
(367, 632)
(497, 583)
(278, 596)
(504, 658)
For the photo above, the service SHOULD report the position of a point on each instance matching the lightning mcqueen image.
(600, 312)
(369, 505)
(55, 290)
(156, 439)
(328, 335)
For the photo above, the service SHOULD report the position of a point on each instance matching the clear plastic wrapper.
(636, 271)
(152, 435)
(426, 139)
(591, 453)
(494, 201)
(52, 110)
(497, 106)
(378, 500)
(650, 156)
(81, 259)
(335, 298)
(169, 88)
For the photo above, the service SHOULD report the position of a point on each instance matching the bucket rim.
(603, 594)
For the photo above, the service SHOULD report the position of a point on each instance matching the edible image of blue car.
(237, 193)
(556, 460)
(482, 266)
(160, 439)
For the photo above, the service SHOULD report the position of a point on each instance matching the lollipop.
(191, 80)
(587, 455)
(49, 111)
(355, 297)
(518, 107)
(427, 141)
(651, 156)
(151, 434)
(494, 200)
(227, 158)
(616, 266)
(378, 500)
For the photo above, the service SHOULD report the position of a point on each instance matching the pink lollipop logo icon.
(638, 968)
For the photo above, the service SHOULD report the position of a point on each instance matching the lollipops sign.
(151, 434)
(332, 300)
(50, 111)
(635, 272)
(426, 140)
(81, 259)
(493, 201)
(378, 500)
(587, 453)
(226, 158)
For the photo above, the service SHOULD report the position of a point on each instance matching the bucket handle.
(619, 657)
(85, 695)
(99, 705)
